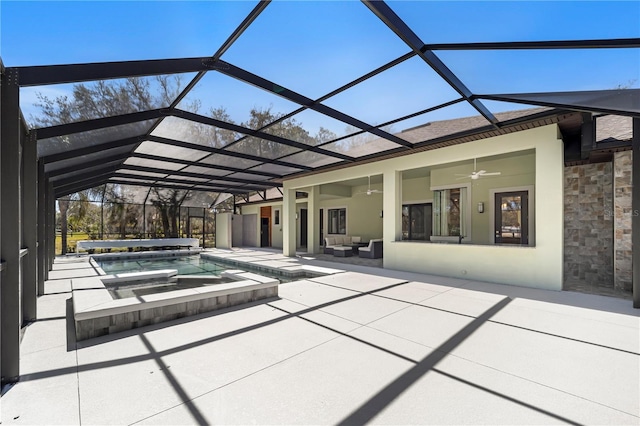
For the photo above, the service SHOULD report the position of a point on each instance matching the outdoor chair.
(372, 251)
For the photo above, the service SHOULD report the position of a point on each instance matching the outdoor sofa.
(338, 241)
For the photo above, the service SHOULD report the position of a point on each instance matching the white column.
(392, 207)
(313, 220)
(549, 212)
(289, 222)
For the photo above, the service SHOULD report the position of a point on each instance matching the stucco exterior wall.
(223, 230)
(276, 230)
(540, 266)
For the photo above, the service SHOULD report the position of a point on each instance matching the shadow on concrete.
(428, 360)
(371, 408)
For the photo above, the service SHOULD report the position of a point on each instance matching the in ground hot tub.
(97, 313)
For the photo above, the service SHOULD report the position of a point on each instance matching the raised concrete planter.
(96, 313)
(133, 243)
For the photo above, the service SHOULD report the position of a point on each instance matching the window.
(416, 221)
(276, 217)
(449, 210)
(337, 221)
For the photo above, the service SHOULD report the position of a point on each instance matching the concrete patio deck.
(366, 345)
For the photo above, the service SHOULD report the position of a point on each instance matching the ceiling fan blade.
(464, 177)
(480, 172)
(491, 174)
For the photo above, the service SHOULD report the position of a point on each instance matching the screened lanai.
(115, 212)
(226, 100)
(242, 120)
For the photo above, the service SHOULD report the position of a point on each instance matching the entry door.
(264, 232)
(303, 227)
(512, 218)
(265, 226)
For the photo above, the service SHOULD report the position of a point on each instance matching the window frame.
(530, 189)
(465, 213)
(410, 207)
(330, 230)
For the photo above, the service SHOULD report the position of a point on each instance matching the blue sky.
(314, 47)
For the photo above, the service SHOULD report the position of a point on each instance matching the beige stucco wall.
(363, 212)
(517, 171)
(539, 266)
(223, 230)
(276, 230)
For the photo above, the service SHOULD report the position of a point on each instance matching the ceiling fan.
(476, 174)
(370, 191)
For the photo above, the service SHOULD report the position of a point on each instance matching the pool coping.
(96, 313)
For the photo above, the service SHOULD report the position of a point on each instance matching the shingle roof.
(438, 129)
(613, 128)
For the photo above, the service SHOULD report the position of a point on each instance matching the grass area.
(72, 239)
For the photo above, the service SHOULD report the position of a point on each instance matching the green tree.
(84, 213)
(63, 207)
(73, 209)
(167, 203)
(97, 100)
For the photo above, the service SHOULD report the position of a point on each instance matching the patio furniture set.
(346, 246)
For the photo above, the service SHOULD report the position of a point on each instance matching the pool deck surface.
(361, 345)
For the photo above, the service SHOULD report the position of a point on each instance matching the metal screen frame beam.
(87, 164)
(619, 43)
(90, 176)
(255, 133)
(587, 135)
(42, 229)
(99, 123)
(633, 95)
(200, 164)
(208, 185)
(635, 206)
(225, 152)
(76, 73)
(70, 188)
(10, 243)
(66, 155)
(402, 30)
(181, 187)
(254, 80)
(192, 174)
(29, 225)
(255, 12)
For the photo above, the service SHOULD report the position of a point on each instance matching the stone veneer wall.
(588, 231)
(622, 184)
